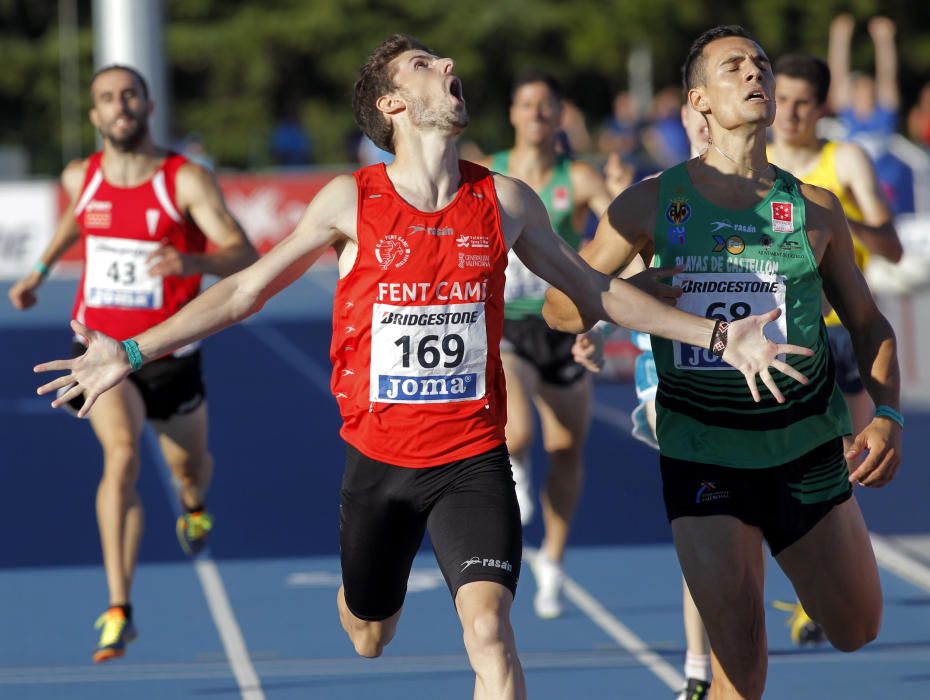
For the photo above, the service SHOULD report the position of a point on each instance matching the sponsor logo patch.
(431, 230)
(708, 493)
(392, 251)
(464, 241)
(474, 260)
(734, 245)
(678, 212)
(783, 217)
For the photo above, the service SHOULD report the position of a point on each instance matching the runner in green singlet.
(538, 363)
(749, 237)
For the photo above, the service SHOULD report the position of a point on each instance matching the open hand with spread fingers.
(745, 347)
(103, 366)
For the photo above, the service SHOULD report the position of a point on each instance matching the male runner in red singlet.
(417, 323)
(144, 217)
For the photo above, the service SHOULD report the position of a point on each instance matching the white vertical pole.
(639, 68)
(132, 32)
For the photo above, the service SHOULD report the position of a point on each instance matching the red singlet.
(120, 227)
(417, 325)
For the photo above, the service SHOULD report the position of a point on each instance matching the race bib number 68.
(728, 297)
(428, 354)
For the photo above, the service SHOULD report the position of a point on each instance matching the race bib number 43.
(428, 354)
(728, 297)
(117, 274)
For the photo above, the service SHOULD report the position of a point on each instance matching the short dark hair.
(810, 69)
(533, 75)
(120, 66)
(692, 72)
(375, 80)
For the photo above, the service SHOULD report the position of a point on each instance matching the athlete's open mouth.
(757, 96)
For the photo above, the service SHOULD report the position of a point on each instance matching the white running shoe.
(548, 600)
(524, 489)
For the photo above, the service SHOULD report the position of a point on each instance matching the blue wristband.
(41, 268)
(890, 413)
(133, 354)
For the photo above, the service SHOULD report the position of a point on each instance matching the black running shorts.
(549, 351)
(468, 506)
(785, 502)
(170, 386)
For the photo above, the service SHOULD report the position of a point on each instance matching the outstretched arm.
(328, 219)
(23, 293)
(599, 296)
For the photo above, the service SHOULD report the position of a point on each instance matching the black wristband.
(718, 339)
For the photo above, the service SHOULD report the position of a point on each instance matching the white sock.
(697, 666)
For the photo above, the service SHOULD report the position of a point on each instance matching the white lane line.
(237, 654)
(888, 557)
(891, 557)
(299, 359)
(291, 353)
(617, 631)
(353, 668)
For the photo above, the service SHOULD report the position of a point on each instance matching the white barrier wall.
(28, 214)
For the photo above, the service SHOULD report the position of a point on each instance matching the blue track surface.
(275, 495)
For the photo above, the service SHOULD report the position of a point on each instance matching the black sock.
(127, 609)
(196, 509)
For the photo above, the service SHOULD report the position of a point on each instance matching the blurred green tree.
(235, 64)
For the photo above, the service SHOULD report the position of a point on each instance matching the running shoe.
(549, 576)
(192, 529)
(694, 690)
(804, 631)
(522, 486)
(116, 633)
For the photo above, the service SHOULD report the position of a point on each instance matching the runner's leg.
(522, 382)
(117, 419)
(835, 575)
(565, 414)
(484, 610)
(183, 442)
(721, 558)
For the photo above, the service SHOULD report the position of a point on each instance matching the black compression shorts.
(549, 351)
(468, 506)
(785, 502)
(170, 386)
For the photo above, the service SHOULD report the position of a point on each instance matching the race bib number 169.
(428, 354)
(728, 297)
